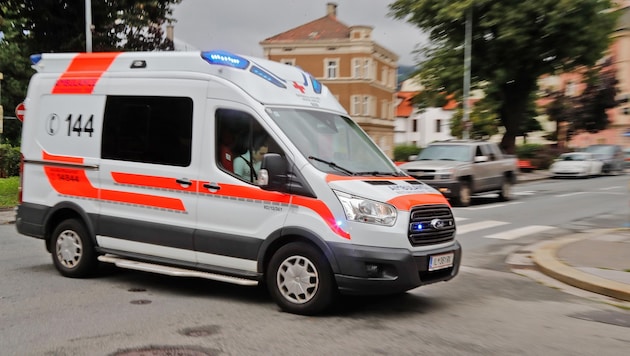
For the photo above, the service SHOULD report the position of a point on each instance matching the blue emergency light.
(267, 76)
(417, 227)
(225, 58)
(35, 58)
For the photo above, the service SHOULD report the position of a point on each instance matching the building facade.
(420, 127)
(361, 73)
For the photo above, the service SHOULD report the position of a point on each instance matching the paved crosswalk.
(509, 233)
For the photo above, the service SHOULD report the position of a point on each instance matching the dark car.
(611, 155)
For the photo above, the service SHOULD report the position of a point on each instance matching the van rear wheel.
(72, 249)
(300, 279)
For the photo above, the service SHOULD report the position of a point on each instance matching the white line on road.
(610, 188)
(516, 233)
(492, 206)
(569, 194)
(486, 224)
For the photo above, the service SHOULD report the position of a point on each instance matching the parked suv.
(612, 156)
(460, 169)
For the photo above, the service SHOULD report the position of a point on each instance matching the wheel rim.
(506, 192)
(69, 248)
(297, 279)
(464, 195)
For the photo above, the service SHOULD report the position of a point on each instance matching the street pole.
(467, 46)
(88, 25)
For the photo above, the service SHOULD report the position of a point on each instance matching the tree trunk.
(515, 95)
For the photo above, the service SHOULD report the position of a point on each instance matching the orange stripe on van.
(255, 193)
(62, 159)
(152, 181)
(406, 202)
(84, 71)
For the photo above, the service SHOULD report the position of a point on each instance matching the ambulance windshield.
(333, 143)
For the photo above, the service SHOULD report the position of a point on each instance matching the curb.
(545, 259)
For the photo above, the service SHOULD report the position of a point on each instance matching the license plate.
(441, 261)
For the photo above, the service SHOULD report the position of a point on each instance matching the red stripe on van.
(152, 181)
(74, 182)
(334, 177)
(83, 72)
(406, 202)
(255, 193)
(61, 159)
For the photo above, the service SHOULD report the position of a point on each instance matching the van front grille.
(431, 224)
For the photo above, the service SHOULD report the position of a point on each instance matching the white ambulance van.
(221, 166)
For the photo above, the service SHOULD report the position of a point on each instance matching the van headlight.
(366, 210)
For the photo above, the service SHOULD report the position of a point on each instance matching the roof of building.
(405, 107)
(324, 28)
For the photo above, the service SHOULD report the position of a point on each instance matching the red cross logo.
(298, 87)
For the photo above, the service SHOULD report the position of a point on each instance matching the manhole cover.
(168, 351)
(141, 301)
(137, 290)
(201, 331)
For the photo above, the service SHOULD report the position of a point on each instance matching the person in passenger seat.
(247, 165)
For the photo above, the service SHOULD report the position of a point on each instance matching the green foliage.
(528, 150)
(402, 152)
(514, 42)
(9, 160)
(484, 123)
(541, 156)
(9, 192)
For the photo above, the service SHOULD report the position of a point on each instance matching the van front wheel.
(300, 279)
(72, 249)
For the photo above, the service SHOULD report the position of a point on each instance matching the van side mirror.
(273, 172)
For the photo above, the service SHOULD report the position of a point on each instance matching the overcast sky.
(239, 26)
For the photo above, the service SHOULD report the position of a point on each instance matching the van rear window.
(148, 129)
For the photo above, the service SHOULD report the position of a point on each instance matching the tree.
(38, 26)
(514, 42)
(587, 111)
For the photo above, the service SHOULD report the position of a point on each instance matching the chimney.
(331, 9)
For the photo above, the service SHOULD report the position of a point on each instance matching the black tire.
(506, 190)
(73, 250)
(311, 289)
(464, 195)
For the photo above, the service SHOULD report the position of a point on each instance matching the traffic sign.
(20, 111)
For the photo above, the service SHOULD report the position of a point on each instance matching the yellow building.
(361, 73)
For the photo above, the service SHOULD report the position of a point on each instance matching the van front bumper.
(374, 270)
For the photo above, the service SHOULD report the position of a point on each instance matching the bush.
(9, 161)
(541, 156)
(402, 152)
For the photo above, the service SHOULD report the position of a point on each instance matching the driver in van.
(248, 164)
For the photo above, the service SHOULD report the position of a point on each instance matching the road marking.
(486, 224)
(610, 188)
(492, 206)
(526, 192)
(570, 194)
(516, 233)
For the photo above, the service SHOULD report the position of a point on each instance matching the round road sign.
(20, 110)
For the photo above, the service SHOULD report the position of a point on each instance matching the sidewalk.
(597, 261)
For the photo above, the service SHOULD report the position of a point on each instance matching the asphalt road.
(486, 310)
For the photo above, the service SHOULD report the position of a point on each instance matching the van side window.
(241, 144)
(148, 129)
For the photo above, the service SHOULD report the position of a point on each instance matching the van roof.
(268, 82)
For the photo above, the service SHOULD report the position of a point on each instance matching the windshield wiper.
(377, 173)
(333, 165)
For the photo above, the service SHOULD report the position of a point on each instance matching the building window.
(356, 68)
(438, 125)
(356, 105)
(367, 73)
(332, 68)
(366, 106)
(414, 125)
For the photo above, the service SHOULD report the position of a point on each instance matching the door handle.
(211, 186)
(184, 181)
